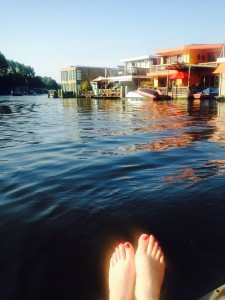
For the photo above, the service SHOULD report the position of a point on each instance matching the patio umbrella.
(179, 75)
(100, 78)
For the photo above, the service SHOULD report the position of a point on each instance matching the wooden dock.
(103, 94)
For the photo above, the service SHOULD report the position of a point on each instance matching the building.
(143, 63)
(134, 72)
(181, 70)
(72, 78)
(196, 61)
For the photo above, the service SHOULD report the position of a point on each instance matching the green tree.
(50, 83)
(3, 65)
(85, 86)
(14, 74)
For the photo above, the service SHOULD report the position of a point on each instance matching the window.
(180, 58)
(173, 59)
(165, 59)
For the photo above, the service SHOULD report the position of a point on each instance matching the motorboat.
(209, 93)
(142, 93)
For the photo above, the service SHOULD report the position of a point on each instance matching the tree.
(50, 83)
(85, 85)
(14, 74)
(3, 65)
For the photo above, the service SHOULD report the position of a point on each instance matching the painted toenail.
(145, 237)
(127, 245)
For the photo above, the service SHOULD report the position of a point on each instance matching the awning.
(100, 78)
(220, 69)
(179, 75)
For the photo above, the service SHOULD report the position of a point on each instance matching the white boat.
(134, 94)
(147, 93)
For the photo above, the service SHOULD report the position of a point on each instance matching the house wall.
(91, 73)
(222, 87)
(191, 57)
(198, 56)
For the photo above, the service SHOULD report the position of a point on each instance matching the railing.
(212, 64)
(182, 91)
(127, 71)
(156, 68)
(144, 71)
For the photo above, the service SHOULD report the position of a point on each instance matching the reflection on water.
(79, 176)
(179, 129)
(193, 175)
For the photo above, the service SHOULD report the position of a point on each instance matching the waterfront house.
(134, 73)
(196, 61)
(72, 77)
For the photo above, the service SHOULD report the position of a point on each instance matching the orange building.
(186, 67)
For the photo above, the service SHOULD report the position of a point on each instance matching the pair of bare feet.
(140, 274)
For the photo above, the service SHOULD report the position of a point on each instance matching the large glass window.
(180, 58)
(165, 59)
(173, 59)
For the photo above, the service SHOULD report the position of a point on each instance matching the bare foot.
(150, 268)
(122, 273)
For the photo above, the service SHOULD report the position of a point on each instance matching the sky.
(50, 34)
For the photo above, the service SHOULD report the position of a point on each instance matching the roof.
(139, 58)
(190, 47)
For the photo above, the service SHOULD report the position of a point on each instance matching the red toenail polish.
(145, 237)
(127, 245)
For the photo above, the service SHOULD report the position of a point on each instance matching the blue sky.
(49, 35)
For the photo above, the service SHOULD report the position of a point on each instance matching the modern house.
(135, 72)
(72, 78)
(195, 62)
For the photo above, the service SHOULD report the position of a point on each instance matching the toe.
(117, 253)
(122, 252)
(143, 242)
(151, 244)
(155, 249)
(158, 253)
(162, 259)
(129, 250)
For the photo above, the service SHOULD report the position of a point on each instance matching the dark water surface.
(79, 176)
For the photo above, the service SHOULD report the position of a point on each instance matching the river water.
(79, 176)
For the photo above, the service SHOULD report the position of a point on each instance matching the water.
(79, 176)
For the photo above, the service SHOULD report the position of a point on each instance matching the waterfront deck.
(103, 94)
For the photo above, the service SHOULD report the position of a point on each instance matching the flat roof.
(77, 67)
(190, 47)
(139, 58)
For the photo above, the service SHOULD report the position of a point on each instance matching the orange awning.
(220, 69)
